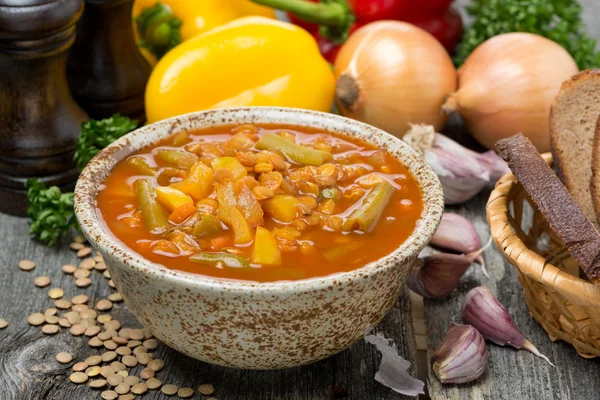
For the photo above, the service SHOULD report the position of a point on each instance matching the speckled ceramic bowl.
(247, 324)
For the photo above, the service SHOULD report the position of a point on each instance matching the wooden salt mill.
(39, 120)
(106, 71)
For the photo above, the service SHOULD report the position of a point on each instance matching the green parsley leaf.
(96, 135)
(51, 212)
(558, 20)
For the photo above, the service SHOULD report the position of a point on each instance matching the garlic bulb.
(392, 73)
(463, 173)
(483, 311)
(507, 85)
(461, 356)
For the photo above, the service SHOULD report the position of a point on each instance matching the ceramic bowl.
(246, 324)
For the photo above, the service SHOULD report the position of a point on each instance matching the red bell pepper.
(331, 21)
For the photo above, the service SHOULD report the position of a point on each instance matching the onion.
(507, 85)
(390, 74)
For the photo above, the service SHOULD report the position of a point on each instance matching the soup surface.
(261, 203)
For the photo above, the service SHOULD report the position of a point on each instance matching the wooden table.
(28, 370)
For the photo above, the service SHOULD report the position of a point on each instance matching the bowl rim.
(99, 235)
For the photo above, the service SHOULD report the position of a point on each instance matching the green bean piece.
(154, 216)
(365, 217)
(179, 158)
(300, 154)
(208, 225)
(141, 165)
(229, 259)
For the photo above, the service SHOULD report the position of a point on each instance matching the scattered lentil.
(139, 388)
(110, 345)
(153, 383)
(62, 304)
(147, 333)
(109, 395)
(87, 264)
(64, 322)
(80, 366)
(147, 373)
(93, 360)
(169, 390)
(77, 330)
(26, 265)
(56, 293)
(131, 380)
(36, 319)
(92, 331)
(106, 371)
(115, 326)
(108, 356)
(50, 311)
(104, 305)
(156, 365)
(122, 388)
(206, 389)
(126, 397)
(52, 319)
(100, 265)
(93, 371)
(83, 282)
(78, 377)
(79, 307)
(111, 284)
(50, 329)
(95, 342)
(103, 318)
(139, 350)
(134, 343)
(184, 393)
(123, 351)
(76, 246)
(150, 344)
(119, 340)
(3, 323)
(125, 333)
(41, 281)
(106, 274)
(136, 334)
(130, 361)
(105, 335)
(144, 358)
(68, 269)
(97, 383)
(81, 273)
(64, 358)
(123, 373)
(118, 366)
(114, 380)
(80, 299)
(115, 297)
(79, 238)
(86, 251)
(73, 317)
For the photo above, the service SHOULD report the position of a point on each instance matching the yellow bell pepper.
(160, 25)
(252, 61)
(266, 251)
(171, 198)
(231, 216)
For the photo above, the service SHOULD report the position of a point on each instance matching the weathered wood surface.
(512, 374)
(28, 370)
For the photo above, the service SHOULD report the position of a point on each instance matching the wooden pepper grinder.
(39, 120)
(106, 71)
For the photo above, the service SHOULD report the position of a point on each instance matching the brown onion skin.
(508, 84)
(392, 73)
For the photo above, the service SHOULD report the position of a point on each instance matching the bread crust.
(554, 201)
(595, 181)
(562, 157)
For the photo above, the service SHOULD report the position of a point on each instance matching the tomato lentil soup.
(261, 203)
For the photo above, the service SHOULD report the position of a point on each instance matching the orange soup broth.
(319, 253)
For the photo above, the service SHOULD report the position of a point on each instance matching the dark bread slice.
(554, 201)
(595, 181)
(572, 124)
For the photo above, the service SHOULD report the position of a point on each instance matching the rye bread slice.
(554, 201)
(573, 117)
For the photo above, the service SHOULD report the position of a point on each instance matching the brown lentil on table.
(41, 281)
(3, 323)
(84, 252)
(64, 357)
(26, 265)
(56, 293)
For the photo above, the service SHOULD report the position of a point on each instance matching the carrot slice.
(181, 213)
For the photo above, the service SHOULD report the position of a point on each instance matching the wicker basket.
(566, 306)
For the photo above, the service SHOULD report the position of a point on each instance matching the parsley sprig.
(558, 20)
(51, 211)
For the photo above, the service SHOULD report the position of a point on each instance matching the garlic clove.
(461, 356)
(495, 164)
(462, 172)
(483, 311)
(457, 233)
(440, 273)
